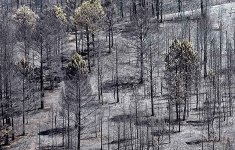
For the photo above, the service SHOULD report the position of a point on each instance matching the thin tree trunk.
(76, 38)
(117, 84)
(68, 128)
(88, 48)
(141, 60)
(151, 81)
(41, 74)
(110, 38)
(179, 5)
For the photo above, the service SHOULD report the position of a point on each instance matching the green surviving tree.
(88, 15)
(76, 74)
(26, 20)
(79, 95)
(181, 63)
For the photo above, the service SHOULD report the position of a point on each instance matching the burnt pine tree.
(88, 15)
(78, 96)
(26, 19)
(75, 72)
(181, 62)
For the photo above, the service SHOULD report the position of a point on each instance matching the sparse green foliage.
(25, 16)
(89, 14)
(77, 64)
(59, 13)
(181, 63)
(24, 63)
(181, 55)
(25, 67)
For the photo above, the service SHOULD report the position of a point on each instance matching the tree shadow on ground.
(124, 83)
(194, 142)
(163, 132)
(122, 118)
(55, 131)
(120, 141)
(196, 122)
(199, 141)
(51, 147)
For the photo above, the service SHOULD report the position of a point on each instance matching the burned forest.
(117, 74)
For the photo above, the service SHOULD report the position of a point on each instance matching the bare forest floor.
(38, 121)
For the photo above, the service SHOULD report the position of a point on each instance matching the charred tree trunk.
(41, 74)
(179, 5)
(151, 82)
(88, 48)
(141, 59)
(117, 84)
